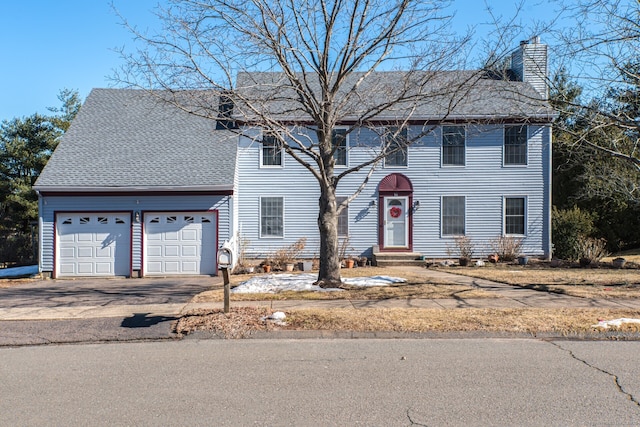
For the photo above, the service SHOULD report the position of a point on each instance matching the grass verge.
(244, 321)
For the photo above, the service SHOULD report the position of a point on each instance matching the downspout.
(549, 195)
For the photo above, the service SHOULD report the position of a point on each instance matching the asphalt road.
(323, 382)
(132, 328)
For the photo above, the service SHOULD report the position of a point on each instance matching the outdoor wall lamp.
(136, 217)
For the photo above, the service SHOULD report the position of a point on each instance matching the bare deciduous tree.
(296, 69)
(602, 54)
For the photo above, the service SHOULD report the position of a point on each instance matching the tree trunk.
(329, 275)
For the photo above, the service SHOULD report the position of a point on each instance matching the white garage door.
(180, 243)
(93, 244)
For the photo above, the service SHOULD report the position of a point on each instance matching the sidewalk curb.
(386, 335)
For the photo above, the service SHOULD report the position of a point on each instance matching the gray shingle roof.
(451, 95)
(127, 139)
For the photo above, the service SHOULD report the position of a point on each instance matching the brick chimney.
(529, 64)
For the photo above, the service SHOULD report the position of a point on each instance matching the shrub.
(343, 248)
(507, 247)
(570, 228)
(242, 245)
(463, 247)
(591, 250)
(288, 254)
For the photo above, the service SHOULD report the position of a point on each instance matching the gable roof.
(469, 95)
(128, 140)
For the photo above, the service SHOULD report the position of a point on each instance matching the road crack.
(412, 421)
(616, 379)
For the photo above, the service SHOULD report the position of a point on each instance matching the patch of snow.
(278, 318)
(278, 315)
(26, 271)
(372, 281)
(615, 322)
(274, 283)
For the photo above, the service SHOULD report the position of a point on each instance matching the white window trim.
(504, 214)
(262, 165)
(451, 236)
(442, 165)
(346, 142)
(504, 138)
(263, 236)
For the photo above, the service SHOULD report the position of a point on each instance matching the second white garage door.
(180, 243)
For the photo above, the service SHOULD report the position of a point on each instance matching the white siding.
(529, 63)
(484, 181)
(96, 203)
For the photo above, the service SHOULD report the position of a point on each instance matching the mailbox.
(225, 257)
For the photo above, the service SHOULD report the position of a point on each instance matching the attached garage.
(93, 244)
(180, 243)
(109, 208)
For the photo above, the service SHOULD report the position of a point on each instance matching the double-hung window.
(453, 215)
(343, 218)
(515, 145)
(271, 150)
(339, 141)
(453, 145)
(396, 141)
(514, 216)
(271, 217)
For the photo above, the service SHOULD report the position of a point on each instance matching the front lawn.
(580, 282)
(416, 286)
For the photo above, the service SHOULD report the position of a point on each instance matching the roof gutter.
(81, 190)
(495, 118)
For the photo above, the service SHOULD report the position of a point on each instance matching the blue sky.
(49, 45)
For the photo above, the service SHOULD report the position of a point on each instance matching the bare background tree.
(596, 89)
(597, 92)
(324, 55)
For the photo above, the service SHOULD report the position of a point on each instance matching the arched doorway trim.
(395, 213)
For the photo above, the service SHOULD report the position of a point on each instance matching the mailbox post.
(225, 260)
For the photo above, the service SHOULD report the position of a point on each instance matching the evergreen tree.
(25, 147)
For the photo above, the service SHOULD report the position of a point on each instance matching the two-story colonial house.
(139, 187)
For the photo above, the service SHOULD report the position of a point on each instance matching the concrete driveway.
(104, 292)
